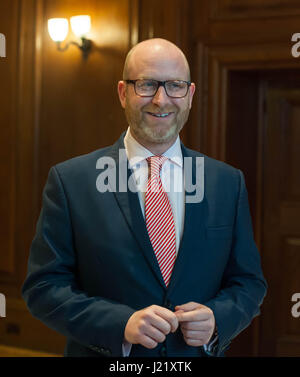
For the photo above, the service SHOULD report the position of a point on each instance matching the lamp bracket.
(85, 46)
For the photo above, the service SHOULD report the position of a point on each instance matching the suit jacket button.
(163, 351)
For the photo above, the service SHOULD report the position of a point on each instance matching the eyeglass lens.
(173, 88)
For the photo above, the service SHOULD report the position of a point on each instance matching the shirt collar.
(137, 153)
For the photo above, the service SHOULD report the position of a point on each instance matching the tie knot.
(155, 164)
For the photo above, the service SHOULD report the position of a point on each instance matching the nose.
(160, 97)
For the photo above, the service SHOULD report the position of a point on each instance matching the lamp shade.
(80, 25)
(58, 29)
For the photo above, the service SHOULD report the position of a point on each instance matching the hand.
(197, 323)
(150, 326)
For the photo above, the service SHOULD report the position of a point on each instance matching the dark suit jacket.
(91, 264)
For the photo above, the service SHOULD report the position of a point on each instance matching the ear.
(192, 91)
(122, 92)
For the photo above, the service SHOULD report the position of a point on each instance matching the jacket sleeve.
(243, 284)
(51, 290)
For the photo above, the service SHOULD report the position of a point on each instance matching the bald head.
(153, 52)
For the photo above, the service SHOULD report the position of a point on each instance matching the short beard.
(159, 137)
(151, 135)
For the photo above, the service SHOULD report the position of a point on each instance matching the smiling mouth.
(158, 115)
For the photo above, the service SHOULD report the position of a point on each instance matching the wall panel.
(8, 74)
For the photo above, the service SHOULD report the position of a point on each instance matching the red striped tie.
(159, 219)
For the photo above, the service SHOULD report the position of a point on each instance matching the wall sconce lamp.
(58, 29)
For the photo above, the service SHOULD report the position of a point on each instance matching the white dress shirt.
(171, 177)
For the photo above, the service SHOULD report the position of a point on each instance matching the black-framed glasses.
(149, 87)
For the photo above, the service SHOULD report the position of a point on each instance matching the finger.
(167, 315)
(196, 325)
(160, 324)
(194, 315)
(194, 342)
(191, 334)
(188, 306)
(147, 342)
(155, 334)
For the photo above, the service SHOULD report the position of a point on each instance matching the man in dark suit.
(136, 266)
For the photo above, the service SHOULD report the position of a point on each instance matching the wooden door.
(279, 329)
(263, 140)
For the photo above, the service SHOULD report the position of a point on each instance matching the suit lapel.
(130, 207)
